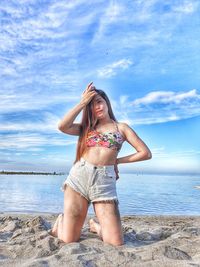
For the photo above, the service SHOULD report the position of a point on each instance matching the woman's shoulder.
(126, 130)
(123, 126)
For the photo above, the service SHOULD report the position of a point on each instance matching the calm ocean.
(138, 194)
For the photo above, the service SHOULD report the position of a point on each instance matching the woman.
(92, 178)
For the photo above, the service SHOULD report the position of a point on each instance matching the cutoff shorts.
(95, 183)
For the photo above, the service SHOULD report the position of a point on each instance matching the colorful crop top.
(111, 140)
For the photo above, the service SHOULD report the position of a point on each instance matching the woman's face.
(99, 107)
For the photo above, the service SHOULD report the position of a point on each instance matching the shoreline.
(149, 240)
(35, 213)
(30, 173)
(123, 172)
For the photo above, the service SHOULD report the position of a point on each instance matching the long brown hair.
(89, 122)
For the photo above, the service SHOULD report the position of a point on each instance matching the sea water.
(145, 194)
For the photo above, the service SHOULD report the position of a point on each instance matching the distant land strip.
(32, 173)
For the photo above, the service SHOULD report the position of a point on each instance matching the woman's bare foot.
(95, 227)
(92, 225)
(54, 230)
(60, 226)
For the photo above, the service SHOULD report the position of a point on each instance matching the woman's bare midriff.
(100, 156)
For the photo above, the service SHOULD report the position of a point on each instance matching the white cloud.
(158, 107)
(162, 152)
(9, 71)
(109, 15)
(166, 97)
(112, 69)
(53, 16)
(123, 99)
(187, 7)
(36, 100)
(48, 122)
(151, 119)
(32, 141)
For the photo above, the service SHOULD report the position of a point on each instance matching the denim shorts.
(95, 183)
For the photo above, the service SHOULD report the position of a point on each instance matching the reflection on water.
(138, 194)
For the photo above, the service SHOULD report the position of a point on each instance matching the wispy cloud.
(159, 107)
(112, 69)
(111, 14)
(46, 122)
(166, 97)
(31, 141)
(36, 100)
(186, 7)
(162, 152)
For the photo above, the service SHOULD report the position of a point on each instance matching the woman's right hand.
(88, 94)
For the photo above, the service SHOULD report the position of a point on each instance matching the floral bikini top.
(111, 140)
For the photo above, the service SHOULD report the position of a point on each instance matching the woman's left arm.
(143, 152)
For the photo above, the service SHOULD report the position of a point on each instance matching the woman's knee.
(70, 240)
(113, 236)
(114, 242)
(73, 210)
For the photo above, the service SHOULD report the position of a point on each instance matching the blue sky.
(144, 54)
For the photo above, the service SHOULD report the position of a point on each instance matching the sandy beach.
(149, 241)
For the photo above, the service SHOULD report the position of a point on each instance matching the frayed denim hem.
(113, 200)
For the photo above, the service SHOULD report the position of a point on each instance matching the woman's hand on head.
(88, 94)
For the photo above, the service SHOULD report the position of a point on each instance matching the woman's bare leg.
(110, 223)
(68, 226)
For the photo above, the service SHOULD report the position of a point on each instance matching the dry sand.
(149, 241)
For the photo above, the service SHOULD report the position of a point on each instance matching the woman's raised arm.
(66, 125)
